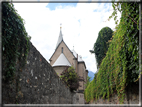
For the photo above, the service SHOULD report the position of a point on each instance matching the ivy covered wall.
(119, 69)
(15, 41)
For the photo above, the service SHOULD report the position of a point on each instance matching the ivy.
(15, 41)
(120, 66)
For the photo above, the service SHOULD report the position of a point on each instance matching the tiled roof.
(62, 61)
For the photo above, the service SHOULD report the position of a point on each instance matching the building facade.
(63, 57)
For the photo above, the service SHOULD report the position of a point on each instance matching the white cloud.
(80, 27)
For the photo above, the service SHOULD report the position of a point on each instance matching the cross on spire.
(60, 37)
(60, 25)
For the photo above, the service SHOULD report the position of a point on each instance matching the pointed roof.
(62, 61)
(58, 46)
(74, 53)
(60, 38)
(79, 57)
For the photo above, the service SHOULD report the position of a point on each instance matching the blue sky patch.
(52, 6)
(105, 7)
(79, 20)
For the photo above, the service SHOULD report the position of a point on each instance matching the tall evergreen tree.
(101, 45)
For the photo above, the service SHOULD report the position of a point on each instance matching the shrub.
(70, 78)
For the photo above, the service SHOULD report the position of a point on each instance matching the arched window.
(62, 49)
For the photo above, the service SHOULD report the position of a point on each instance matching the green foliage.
(70, 78)
(120, 67)
(15, 41)
(130, 32)
(88, 81)
(89, 91)
(101, 45)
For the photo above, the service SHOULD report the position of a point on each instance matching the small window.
(62, 49)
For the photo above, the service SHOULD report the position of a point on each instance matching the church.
(63, 57)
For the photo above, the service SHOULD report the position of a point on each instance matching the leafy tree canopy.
(101, 45)
(70, 78)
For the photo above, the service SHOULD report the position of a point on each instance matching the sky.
(81, 23)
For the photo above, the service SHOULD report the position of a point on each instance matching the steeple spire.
(60, 37)
(60, 26)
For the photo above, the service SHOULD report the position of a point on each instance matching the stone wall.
(36, 83)
(131, 97)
